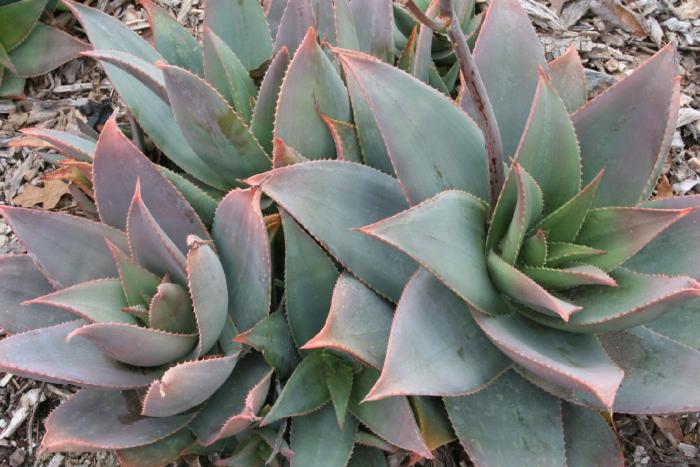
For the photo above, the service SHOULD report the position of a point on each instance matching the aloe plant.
(487, 269)
(29, 48)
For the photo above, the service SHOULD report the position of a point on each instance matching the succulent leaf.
(572, 360)
(18, 20)
(316, 439)
(354, 196)
(43, 233)
(304, 392)
(433, 422)
(171, 309)
(160, 453)
(43, 50)
(624, 134)
(150, 245)
(345, 30)
(560, 253)
(311, 85)
(568, 77)
(296, 20)
(570, 277)
(99, 420)
(622, 232)
(270, 336)
(173, 41)
(535, 249)
(44, 354)
(391, 419)
(203, 201)
(428, 154)
(507, 54)
(235, 405)
(74, 146)
(338, 376)
(186, 385)
(243, 27)
(226, 72)
(310, 278)
(118, 164)
(449, 246)
(680, 324)
(431, 356)
(262, 122)
(374, 22)
(241, 238)
(20, 281)
(347, 145)
(358, 323)
(138, 284)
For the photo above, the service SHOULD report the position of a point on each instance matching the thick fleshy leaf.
(118, 164)
(535, 249)
(353, 195)
(135, 345)
(391, 419)
(150, 245)
(668, 253)
(559, 253)
(588, 438)
(374, 21)
(432, 419)
(274, 9)
(358, 323)
(316, 439)
(93, 420)
(270, 336)
(567, 278)
(298, 17)
(160, 453)
(186, 385)
(507, 54)
(526, 211)
(52, 237)
(284, 155)
(449, 246)
(622, 232)
(521, 288)
(234, 406)
(680, 324)
(18, 20)
(241, 238)
(69, 144)
(243, 27)
(311, 85)
(45, 355)
(549, 140)
(173, 41)
(228, 75)
(347, 145)
(627, 135)
(204, 202)
(324, 20)
(362, 456)
(650, 360)
(210, 125)
(435, 354)
(98, 301)
(304, 392)
(528, 421)
(345, 30)
(424, 42)
(407, 57)
(171, 309)
(20, 280)
(43, 50)
(637, 299)
(572, 360)
(138, 284)
(263, 121)
(208, 289)
(108, 33)
(140, 70)
(428, 154)
(564, 224)
(338, 376)
(568, 77)
(309, 279)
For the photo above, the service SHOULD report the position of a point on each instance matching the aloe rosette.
(140, 311)
(29, 48)
(566, 295)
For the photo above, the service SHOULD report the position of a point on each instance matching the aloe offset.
(488, 270)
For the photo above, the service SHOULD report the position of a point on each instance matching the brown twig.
(422, 17)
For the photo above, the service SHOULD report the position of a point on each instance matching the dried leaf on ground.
(48, 195)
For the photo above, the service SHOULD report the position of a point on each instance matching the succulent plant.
(140, 311)
(488, 269)
(29, 48)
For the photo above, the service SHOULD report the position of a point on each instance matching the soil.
(612, 38)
